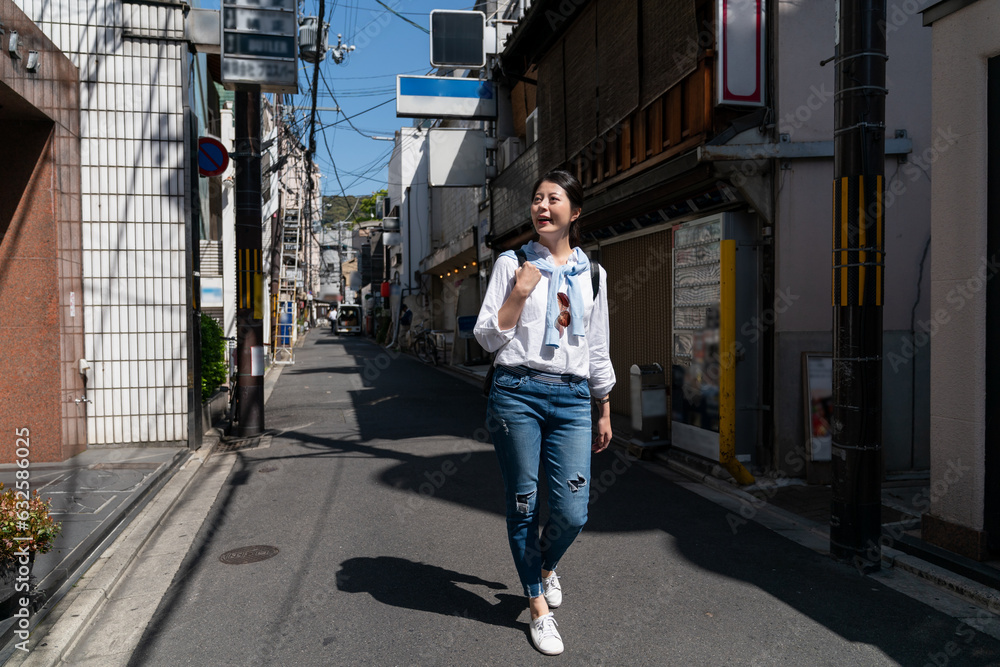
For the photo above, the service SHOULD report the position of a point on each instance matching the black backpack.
(595, 282)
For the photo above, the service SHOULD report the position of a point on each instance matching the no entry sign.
(213, 157)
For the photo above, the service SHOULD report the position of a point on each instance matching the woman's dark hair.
(574, 191)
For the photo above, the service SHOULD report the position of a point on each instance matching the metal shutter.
(639, 306)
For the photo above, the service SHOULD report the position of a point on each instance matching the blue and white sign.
(445, 97)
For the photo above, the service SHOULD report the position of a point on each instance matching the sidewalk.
(94, 495)
(97, 495)
(808, 507)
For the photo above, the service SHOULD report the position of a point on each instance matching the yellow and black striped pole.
(249, 279)
(858, 284)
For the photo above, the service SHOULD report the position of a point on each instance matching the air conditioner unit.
(531, 128)
(510, 149)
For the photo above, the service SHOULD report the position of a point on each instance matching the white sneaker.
(544, 635)
(552, 591)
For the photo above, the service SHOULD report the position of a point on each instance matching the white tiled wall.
(134, 245)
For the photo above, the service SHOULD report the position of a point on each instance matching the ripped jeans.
(536, 421)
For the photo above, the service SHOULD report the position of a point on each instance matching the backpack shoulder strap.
(522, 257)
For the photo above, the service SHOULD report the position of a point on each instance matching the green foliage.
(337, 208)
(367, 205)
(29, 518)
(213, 356)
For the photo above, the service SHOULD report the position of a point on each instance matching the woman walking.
(549, 327)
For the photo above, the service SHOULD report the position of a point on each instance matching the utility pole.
(249, 283)
(858, 292)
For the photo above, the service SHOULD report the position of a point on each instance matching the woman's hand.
(603, 437)
(527, 276)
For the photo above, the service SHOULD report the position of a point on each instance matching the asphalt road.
(386, 508)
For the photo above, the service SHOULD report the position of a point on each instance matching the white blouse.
(522, 345)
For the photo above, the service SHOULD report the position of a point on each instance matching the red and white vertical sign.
(741, 68)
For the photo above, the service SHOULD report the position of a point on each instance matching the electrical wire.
(414, 24)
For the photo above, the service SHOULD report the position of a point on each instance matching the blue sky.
(386, 45)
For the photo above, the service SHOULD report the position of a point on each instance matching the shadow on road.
(403, 583)
(399, 399)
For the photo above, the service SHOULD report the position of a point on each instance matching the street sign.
(251, 71)
(741, 63)
(256, 45)
(456, 157)
(288, 5)
(213, 157)
(259, 45)
(257, 20)
(444, 97)
(457, 38)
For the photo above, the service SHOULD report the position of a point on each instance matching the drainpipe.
(727, 367)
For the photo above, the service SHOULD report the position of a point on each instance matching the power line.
(415, 25)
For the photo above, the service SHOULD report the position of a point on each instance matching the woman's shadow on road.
(404, 583)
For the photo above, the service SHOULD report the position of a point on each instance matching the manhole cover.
(245, 555)
(267, 469)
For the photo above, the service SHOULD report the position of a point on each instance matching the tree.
(337, 208)
(368, 206)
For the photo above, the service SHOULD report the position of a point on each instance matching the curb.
(59, 581)
(963, 587)
(71, 609)
(967, 589)
(58, 630)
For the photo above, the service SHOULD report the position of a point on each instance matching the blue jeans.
(536, 421)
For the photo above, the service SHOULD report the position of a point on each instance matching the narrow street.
(388, 516)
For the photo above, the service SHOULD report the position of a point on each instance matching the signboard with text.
(259, 46)
(741, 64)
(444, 97)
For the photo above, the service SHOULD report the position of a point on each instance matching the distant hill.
(337, 208)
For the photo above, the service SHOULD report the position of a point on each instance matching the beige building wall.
(963, 41)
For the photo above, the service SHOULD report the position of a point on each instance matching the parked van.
(348, 320)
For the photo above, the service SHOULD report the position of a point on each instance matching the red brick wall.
(41, 290)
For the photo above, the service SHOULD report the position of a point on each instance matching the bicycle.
(423, 345)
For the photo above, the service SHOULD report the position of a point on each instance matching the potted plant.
(26, 528)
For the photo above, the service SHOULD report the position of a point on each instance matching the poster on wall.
(818, 380)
